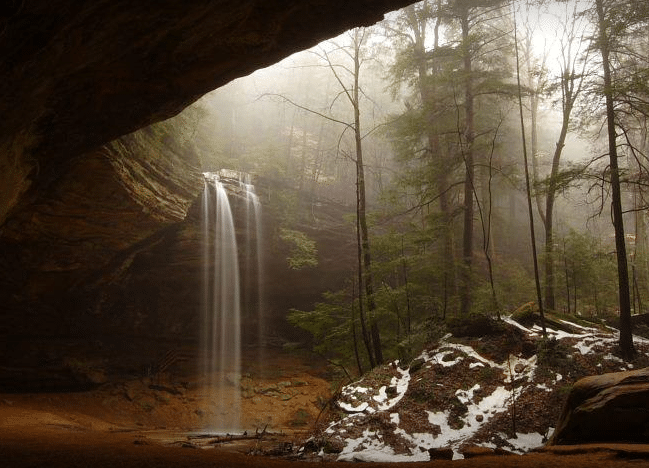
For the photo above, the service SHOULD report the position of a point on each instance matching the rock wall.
(106, 263)
(94, 232)
(159, 293)
(76, 75)
(81, 231)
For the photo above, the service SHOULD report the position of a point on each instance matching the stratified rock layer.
(94, 228)
(82, 231)
(78, 74)
(606, 408)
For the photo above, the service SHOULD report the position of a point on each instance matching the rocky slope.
(466, 394)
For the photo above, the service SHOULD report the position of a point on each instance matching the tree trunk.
(367, 341)
(567, 275)
(450, 274)
(549, 211)
(571, 85)
(530, 210)
(407, 288)
(469, 135)
(355, 338)
(574, 291)
(362, 218)
(534, 110)
(427, 94)
(626, 337)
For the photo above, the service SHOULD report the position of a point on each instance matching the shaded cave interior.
(99, 245)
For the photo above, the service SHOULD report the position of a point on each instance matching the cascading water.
(254, 263)
(221, 336)
(221, 332)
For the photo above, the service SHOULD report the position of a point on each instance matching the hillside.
(504, 390)
(457, 396)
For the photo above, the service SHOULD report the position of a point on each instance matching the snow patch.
(353, 409)
(382, 396)
(526, 442)
(465, 396)
(401, 385)
(371, 446)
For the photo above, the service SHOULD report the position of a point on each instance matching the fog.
(292, 125)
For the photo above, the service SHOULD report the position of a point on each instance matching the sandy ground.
(65, 431)
(36, 439)
(148, 423)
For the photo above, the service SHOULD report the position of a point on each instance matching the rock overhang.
(97, 235)
(90, 72)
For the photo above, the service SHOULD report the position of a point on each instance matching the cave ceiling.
(97, 234)
(77, 74)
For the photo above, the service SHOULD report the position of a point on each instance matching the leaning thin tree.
(367, 305)
(604, 46)
(527, 183)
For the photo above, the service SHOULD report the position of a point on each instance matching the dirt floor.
(161, 422)
(45, 440)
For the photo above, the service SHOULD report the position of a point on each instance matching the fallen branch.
(233, 437)
(329, 402)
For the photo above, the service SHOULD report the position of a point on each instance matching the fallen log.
(218, 439)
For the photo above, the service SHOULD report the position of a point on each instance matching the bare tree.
(352, 93)
(604, 46)
(527, 182)
(572, 68)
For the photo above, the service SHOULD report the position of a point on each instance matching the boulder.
(606, 408)
(442, 453)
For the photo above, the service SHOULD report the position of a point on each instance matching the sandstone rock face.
(76, 75)
(114, 247)
(159, 294)
(79, 234)
(97, 229)
(106, 268)
(606, 408)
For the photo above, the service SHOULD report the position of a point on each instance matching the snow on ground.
(365, 401)
(589, 338)
(525, 442)
(370, 448)
(379, 402)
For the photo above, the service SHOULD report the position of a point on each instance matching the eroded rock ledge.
(78, 74)
(606, 408)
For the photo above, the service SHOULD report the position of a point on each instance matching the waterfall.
(254, 263)
(221, 331)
